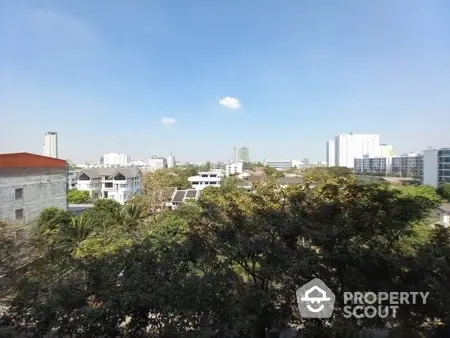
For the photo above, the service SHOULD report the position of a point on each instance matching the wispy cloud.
(230, 102)
(168, 120)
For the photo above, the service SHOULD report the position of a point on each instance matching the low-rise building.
(30, 183)
(180, 196)
(119, 184)
(205, 179)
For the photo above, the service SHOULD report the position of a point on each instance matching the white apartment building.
(234, 168)
(156, 163)
(375, 165)
(331, 154)
(30, 183)
(351, 146)
(118, 184)
(171, 162)
(116, 160)
(205, 179)
(51, 144)
(435, 167)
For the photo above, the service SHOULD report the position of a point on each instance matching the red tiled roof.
(28, 160)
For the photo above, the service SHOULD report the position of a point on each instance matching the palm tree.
(72, 235)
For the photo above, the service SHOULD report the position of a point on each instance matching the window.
(19, 214)
(18, 193)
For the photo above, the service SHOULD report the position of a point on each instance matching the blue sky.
(106, 74)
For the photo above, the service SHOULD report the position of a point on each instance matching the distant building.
(244, 154)
(118, 184)
(435, 167)
(30, 183)
(306, 161)
(279, 164)
(156, 163)
(234, 168)
(171, 162)
(51, 144)
(351, 146)
(331, 153)
(116, 159)
(386, 150)
(205, 179)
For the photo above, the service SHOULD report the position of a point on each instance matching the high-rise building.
(171, 163)
(435, 167)
(306, 161)
(234, 155)
(116, 159)
(244, 154)
(51, 144)
(351, 146)
(386, 150)
(330, 153)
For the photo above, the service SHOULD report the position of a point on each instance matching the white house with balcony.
(118, 184)
(206, 179)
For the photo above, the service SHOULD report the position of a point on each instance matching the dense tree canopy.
(444, 191)
(232, 261)
(75, 196)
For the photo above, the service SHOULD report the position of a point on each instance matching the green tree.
(232, 261)
(272, 172)
(444, 191)
(77, 196)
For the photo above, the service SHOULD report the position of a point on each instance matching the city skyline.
(148, 78)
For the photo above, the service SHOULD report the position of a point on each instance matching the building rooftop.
(98, 172)
(28, 160)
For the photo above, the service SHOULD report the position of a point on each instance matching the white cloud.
(168, 120)
(230, 102)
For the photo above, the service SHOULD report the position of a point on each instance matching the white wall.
(430, 167)
(51, 145)
(234, 168)
(351, 146)
(157, 163)
(42, 188)
(115, 159)
(444, 217)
